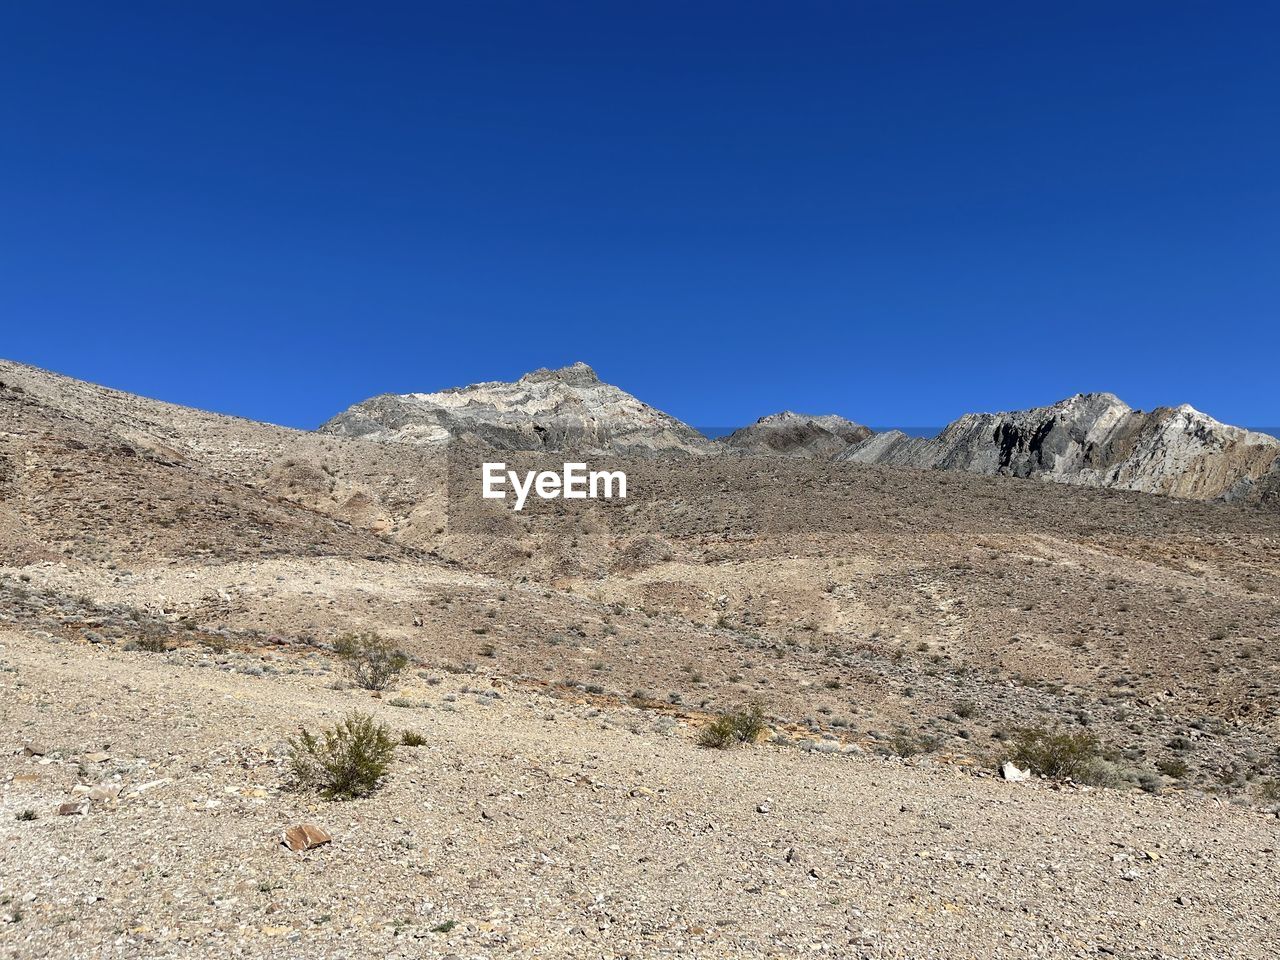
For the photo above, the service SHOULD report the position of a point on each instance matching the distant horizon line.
(711, 432)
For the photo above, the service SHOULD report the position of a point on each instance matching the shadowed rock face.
(1096, 440)
(565, 409)
(790, 434)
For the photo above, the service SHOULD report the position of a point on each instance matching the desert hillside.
(173, 585)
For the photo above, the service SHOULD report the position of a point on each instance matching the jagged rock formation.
(1088, 440)
(1095, 440)
(798, 435)
(565, 409)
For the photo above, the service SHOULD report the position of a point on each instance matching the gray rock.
(1096, 440)
(798, 435)
(565, 409)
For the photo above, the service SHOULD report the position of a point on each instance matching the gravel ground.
(536, 826)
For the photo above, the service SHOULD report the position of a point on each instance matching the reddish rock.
(304, 836)
(73, 809)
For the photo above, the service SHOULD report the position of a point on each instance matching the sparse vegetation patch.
(372, 661)
(744, 725)
(344, 762)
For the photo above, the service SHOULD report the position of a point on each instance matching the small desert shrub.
(345, 761)
(152, 641)
(27, 815)
(411, 738)
(372, 661)
(744, 725)
(1061, 755)
(1149, 781)
(965, 709)
(214, 642)
(1269, 791)
(910, 745)
(1175, 768)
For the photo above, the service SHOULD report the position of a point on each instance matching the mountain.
(1091, 439)
(798, 435)
(565, 409)
(1097, 440)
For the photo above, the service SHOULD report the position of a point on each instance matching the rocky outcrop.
(565, 409)
(790, 434)
(1096, 440)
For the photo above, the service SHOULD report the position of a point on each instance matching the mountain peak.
(791, 434)
(565, 409)
(576, 374)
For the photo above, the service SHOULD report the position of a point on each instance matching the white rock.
(1011, 773)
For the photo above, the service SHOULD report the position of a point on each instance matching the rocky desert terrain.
(174, 587)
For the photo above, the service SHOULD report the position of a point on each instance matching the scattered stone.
(1011, 773)
(73, 808)
(105, 793)
(304, 836)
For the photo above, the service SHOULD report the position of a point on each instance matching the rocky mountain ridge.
(1091, 439)
(1095, 440)
(565, 409)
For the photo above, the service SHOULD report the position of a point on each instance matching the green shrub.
(744, 725)
(372, 661)
(345, 761)
(1061, 755)
(411, 738)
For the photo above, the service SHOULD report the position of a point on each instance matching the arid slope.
(898, 625)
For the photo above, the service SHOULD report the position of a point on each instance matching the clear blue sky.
(893, 210)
